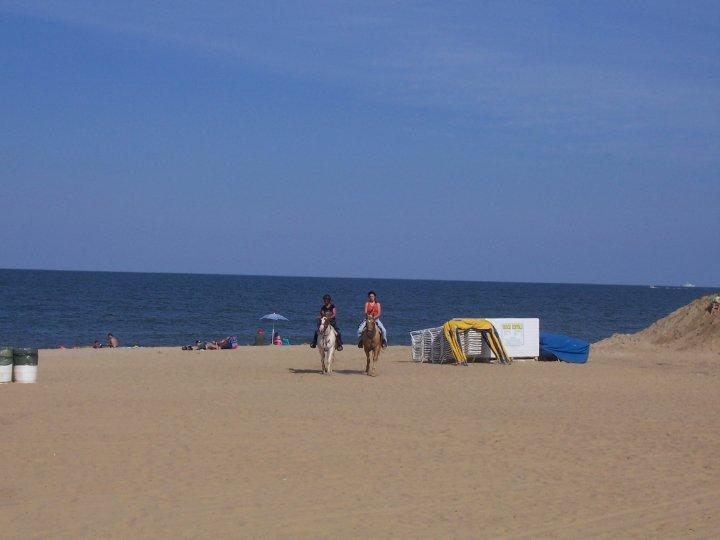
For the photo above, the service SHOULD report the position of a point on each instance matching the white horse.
(327, 338)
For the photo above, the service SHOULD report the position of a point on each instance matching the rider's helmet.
(326, 298)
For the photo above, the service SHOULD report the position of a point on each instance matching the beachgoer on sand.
(330, 311)
(229, 342)
(97, 344)
(112, 341)
(277, 340)
(260, 337)
(715, 308)
(374, 309)
(199, 346)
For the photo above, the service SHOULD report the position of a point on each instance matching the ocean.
(47, 309)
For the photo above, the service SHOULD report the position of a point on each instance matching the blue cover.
(564, 348)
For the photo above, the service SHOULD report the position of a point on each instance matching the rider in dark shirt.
(328, 310)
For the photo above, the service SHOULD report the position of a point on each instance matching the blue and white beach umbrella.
(273, 317)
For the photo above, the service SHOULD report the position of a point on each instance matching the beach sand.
(255, 442)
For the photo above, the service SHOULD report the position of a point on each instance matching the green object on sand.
(6, 356)
(6, 364)
(25, 356)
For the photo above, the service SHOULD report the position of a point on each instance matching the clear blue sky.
(513, 141)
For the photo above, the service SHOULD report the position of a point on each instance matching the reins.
(366, 332)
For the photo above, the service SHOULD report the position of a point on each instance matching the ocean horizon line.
(295, 276)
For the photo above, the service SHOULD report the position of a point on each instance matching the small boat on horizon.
(687, 284)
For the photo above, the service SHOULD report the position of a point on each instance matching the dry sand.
(256, 443)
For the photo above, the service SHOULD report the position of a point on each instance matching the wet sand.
(255, 442)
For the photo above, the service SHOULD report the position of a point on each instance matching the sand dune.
(254, 442)
(690, 327)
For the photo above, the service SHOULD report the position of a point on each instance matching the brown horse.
(372, 343)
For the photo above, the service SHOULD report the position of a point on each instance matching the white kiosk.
(520, 337)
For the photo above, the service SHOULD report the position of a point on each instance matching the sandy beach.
(522, 181)
(255, 442)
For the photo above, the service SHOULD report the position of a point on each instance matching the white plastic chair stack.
(419, 345)
(443, 353)
(471, 343)
(428, 345)
(438, 345)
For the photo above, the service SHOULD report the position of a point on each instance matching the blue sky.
(510, 141)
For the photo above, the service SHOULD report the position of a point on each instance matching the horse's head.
(322, 325)
(370, 322)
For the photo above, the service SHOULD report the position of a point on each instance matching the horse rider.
(374, 309)
(328, 310)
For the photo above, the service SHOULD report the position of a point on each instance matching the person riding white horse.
(327, 344)
(330, 311)
(374, 309)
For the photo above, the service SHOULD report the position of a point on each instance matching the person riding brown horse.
(372, 343)
(373, 308)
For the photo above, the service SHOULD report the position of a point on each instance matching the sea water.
(52, 308)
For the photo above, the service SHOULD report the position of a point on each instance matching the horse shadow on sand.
(297, 371)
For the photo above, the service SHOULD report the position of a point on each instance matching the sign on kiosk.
(521, 337)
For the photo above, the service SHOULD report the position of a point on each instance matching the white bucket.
(24, 373)
(25, 362)
(6, 364)
(6, 373)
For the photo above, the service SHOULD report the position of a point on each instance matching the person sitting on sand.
(229, 342)
(112, 341)
(328, 310)
(374, 309)
(97, 344)
(277, 340)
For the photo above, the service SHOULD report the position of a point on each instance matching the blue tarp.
(564, 348)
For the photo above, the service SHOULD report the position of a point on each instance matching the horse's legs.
(376, 354)
(322, 359)
(367, 356)
(331, 354)
(327, 362)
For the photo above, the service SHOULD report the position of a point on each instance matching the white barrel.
(6, 364)
(25, 373)
(6, 373)
(25, 365)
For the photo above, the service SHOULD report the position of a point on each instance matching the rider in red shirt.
(374, 309)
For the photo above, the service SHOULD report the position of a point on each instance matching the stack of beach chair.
(471, 342)
(429, 345)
